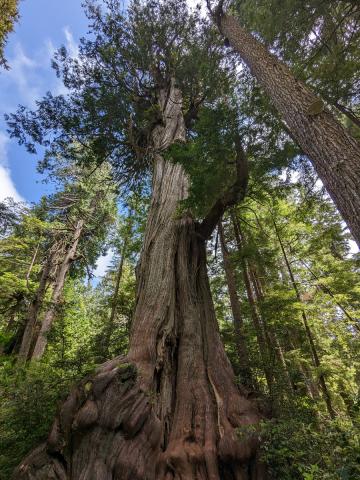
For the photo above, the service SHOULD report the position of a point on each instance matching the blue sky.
(44, 26)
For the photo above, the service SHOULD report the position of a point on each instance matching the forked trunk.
(171, 409)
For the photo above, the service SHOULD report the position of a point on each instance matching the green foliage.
(320, 40)
(29, 400)
(111, 113)
(300, 441)
(295, 448)
(208, 157)
(9, 15)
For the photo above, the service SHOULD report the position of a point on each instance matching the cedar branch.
(234, 194)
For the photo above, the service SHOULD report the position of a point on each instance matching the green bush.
(325, 449)
(29, 399)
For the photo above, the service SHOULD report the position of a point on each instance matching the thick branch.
(233, 195)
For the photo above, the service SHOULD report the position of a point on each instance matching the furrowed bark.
(171, 409)
(335, 154)
(59, 282)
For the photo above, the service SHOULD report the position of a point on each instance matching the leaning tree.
(171, 408)
(334, 153)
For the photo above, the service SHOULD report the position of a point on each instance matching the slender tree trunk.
(241, 347)
(169, 410)
(334, 153)
(348, 113)
(273, 340)
(309, 335)
(354, 322)
(34, 310)
(260, 333)
(28, 273)
(59, 281)
(110, 325)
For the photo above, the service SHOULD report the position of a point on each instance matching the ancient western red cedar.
(171, 408)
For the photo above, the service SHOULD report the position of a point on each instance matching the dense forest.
(214, 150)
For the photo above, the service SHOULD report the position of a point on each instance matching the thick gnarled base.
(107, 430)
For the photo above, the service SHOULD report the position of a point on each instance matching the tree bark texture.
(59, 282)
(171, 409)
(335, 154)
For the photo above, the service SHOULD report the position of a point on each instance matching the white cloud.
(71, 46)
(31, 76)
(7, 187)
(194, 4)
(103, 264)
(21, 75)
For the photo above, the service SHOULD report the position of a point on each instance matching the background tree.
(9, 15)
(312, 125)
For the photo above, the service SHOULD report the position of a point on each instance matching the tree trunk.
(110, 325)
(334, 153)
(59, 281)
(309, 335)
(348, 113)
(34, 310)
(170, 410)
(260, 333)
(354, 322)
(33, 259)
(273, 340)
(241, 347)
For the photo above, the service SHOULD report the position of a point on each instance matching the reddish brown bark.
(171, 409)
(334, 153)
